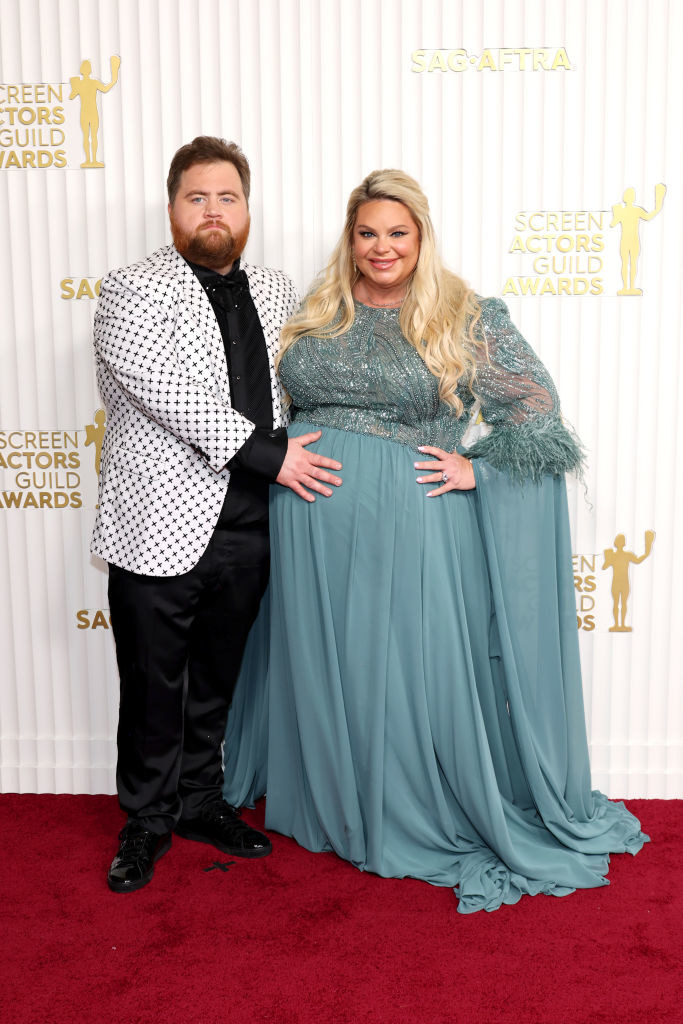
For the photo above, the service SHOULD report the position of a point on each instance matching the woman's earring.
(353, 259)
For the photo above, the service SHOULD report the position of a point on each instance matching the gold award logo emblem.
(35, 131)
(40, 469)
(32, 125)
(80, 287)
(564, 252)
(619, 561)
(86, 618)
(629, 216)
(592, 600)
(94, 434)
(526, 58)
(86, 88)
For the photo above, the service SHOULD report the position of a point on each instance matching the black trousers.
(179, 646)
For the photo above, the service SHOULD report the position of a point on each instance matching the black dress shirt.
(260, 458)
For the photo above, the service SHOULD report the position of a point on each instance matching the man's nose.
(212, 209)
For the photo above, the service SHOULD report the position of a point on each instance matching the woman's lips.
(382, 264)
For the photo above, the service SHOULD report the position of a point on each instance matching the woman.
(423, 682)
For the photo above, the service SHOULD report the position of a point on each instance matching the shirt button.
(237, 378)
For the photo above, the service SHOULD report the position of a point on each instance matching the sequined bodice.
(372, 381)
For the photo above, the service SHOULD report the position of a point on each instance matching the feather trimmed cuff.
(531, 449)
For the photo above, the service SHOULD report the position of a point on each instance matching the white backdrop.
(525, 121)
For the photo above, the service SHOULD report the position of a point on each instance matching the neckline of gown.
(377, 309)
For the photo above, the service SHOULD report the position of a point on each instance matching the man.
(185, 341)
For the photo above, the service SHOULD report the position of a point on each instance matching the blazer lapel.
(201, 335)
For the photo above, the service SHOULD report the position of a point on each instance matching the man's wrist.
(263, 452)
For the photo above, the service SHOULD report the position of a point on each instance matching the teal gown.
(410, 696)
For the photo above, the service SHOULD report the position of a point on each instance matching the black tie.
(227, 290)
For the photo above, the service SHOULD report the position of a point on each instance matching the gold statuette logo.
(94, 434)
(619, 561)
(564, 252)
(629, 216)
(86, 89)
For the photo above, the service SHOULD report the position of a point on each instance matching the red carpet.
(301, 938)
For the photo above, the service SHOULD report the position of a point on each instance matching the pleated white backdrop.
(584, 102)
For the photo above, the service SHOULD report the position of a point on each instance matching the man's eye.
(227, 199)
(197, 200)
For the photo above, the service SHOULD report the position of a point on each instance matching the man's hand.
(307, 468)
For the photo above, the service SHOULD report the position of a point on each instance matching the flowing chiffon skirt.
(410, 696)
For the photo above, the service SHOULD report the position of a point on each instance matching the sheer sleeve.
(519, 400)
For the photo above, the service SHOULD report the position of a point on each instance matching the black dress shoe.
(133, 865)
(220, 825)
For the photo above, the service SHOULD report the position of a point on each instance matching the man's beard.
(214, 249)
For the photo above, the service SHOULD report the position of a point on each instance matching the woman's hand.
(454, 472)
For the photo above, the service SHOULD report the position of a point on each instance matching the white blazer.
(163, 378)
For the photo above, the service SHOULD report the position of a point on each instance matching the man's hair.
(207, 149)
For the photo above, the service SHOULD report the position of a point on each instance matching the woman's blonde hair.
(439, 311)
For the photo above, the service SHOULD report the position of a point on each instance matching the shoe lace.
(223, 812)
(132, 841)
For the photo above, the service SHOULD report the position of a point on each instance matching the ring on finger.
(444, 477)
